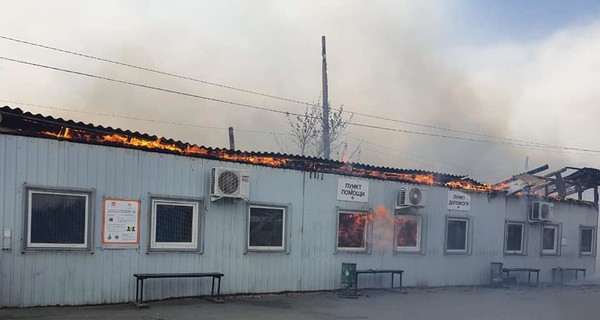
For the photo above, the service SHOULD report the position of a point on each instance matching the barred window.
(174, 224)
(266, 228)
(352, 230)
(57, 219)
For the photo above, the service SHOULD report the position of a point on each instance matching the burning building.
(84, 207)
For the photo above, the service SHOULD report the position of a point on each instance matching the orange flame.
(267, 160)
(469, 185)
(60, 134)
(352, 229)
(137, 142)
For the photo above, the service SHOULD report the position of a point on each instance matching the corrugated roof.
(18, 122)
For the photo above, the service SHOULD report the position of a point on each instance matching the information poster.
(121, 222)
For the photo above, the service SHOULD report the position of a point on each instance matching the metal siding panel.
(15, 174)
(7, 261)
(106, 275)
(571, 217)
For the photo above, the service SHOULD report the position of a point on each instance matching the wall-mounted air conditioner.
(411, 197)
(229, 183)
(541, 211)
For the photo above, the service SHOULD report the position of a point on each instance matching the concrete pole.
(231, 142)
(326, 147)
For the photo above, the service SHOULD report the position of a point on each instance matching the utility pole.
(231, 141)
(326, 141)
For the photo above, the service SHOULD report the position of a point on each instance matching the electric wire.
(287, 113)
(177, 123)
(269, 95)
(152, 70)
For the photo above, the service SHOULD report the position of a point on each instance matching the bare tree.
(307, 130)
(304, 129)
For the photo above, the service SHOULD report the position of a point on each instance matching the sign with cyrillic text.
(459, 201)
(121, 222)
(353, 190)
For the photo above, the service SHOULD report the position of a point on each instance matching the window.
(514, 242)
(408, 233)
(266, 228)
(58, 219)
(549, 239)
(352, 230)
(586, 243)
(174, 225)
(457, 235)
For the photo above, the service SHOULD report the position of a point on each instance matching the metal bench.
(374, 271)
(140, 277)
(561, 270)
(528, 270)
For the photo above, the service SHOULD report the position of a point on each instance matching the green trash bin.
(348, 275)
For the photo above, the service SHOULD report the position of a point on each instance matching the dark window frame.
(523, 251)
(557, 239)
(468, 236)
(89, 219)
(367, 231)
(591, 253)
(197, 225)
(284, 231)
(420, 231)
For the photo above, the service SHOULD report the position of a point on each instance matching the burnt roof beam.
(532, 171)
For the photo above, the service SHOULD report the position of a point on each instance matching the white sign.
(459, 201)
(353, 190)
(121, 222)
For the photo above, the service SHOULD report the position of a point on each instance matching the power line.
(140, 119)
(153, 70)
(192, 95)
(269, 95)
(411, 155)
(471, 139)
(289, 113)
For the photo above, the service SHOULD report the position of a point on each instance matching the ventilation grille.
(228, 182)
(415, 196)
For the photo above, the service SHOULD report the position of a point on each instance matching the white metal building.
(83, 208)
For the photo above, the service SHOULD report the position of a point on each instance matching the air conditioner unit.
(541, 211)
(229, 183)
(411, 197)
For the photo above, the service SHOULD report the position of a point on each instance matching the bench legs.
(561, 271)
(537, 276)
(392, 287)
(139, 290)
(400, 282)
(212, 289)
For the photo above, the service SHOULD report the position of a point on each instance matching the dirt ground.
(552, 302)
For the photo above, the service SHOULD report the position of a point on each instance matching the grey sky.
(405, 60)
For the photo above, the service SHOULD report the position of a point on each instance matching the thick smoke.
(387, 59)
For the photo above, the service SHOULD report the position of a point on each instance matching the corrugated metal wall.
(570, 217)
(310, 263)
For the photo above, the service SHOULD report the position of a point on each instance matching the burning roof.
(552, 185)
(17, 122)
